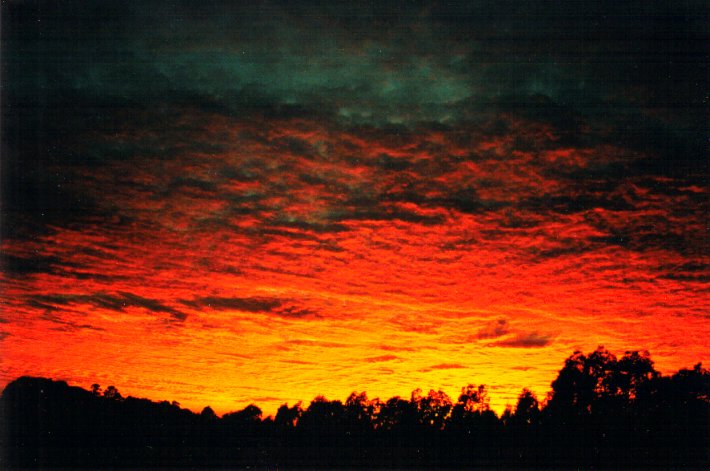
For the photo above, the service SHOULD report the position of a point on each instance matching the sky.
(225, 203)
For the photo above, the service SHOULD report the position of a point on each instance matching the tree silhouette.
(472, 406)
(397, 414)
(602, 412)
(634, 372)
(112, 393)
(324, 418)
(433, 409)
(361, 413)
(288, 417)
(250, 413)
(474, 399)
(582, 380)
(527, 410)
(208, 414)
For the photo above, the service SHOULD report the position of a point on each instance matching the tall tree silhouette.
(527, 410)
(433, 409)
(288, 417)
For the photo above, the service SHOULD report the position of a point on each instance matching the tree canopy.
(601, 411)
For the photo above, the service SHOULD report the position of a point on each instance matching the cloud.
(29, 265)
(376, 211)
(277, 306)
(114, 302)
(151, 305)
(494, 329)
(251, 304)
(295, 312)
(381, 358)
(692, 271)
(443, 366)
(529, 340)
(67, 326)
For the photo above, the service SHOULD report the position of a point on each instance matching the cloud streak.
(530, 340)
(118, 302)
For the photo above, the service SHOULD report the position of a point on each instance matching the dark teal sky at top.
(637, 70)
(385, 63)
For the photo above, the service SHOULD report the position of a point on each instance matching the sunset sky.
(223, 204)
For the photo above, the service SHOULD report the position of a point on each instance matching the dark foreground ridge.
(602, 412)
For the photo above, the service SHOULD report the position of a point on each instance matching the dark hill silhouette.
(602, 412)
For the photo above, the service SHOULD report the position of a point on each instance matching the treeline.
(602, 412)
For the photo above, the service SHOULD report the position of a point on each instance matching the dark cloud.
(253, 304)
(49, 264)
(529, 340)
(277, 306)
(29, 265)
(150, 304)
(64, 325)
(691, 271)
(387, 162)
(114, 302)
(443, 366)
(48, 306)
(378, 212)
(465, 200)
(494, 329)
(319, 227)
(294, 311)
(181, 183)
(571, 203)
